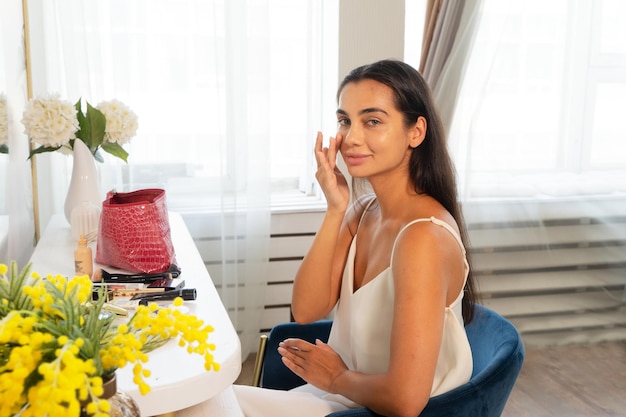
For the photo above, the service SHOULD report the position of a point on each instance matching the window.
(547, 120)
(414, 15)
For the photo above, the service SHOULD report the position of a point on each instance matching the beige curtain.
(432, 12)
(449, 31)
(440, 31)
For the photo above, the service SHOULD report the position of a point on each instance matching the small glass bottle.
(83, 258)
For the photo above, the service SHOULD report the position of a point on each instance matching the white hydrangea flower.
(4, 120)
(50, 121)
(121, 121)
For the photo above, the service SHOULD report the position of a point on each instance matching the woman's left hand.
(318, 364)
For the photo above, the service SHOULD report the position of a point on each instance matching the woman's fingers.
(327, 157)
(294, 350)
(321, 152)
(318, 141)
(328, 175)
(295, 345)
(332, 153)
(333, 149)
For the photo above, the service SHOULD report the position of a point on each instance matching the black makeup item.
(187, 294)
(109, 277)
(168, 284)
(133, 278)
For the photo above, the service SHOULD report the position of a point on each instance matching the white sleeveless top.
(361, 331)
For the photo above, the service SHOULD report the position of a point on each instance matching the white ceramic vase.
(84, 189)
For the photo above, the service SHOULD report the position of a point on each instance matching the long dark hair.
(430, 167)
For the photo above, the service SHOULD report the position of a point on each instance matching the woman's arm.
(318, 280)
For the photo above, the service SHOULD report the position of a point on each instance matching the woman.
(393, 263)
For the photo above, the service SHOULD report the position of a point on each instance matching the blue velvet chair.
(497, 351)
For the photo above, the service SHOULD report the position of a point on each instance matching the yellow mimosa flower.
(56, 347)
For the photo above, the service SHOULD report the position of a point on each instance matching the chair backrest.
(497, 352)
(498, 355)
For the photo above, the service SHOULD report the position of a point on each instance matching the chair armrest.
(354, 412)
(275, 374)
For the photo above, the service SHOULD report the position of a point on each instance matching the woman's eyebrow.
(364, 111)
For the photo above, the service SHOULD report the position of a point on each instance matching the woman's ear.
(418, 132)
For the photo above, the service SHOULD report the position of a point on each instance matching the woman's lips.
(355, 159)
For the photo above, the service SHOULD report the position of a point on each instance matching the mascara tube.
(184, 293)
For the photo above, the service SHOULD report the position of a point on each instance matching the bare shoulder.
(428, 242)
(428, 234)
(428, 260)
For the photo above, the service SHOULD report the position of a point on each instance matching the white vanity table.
(178, 378)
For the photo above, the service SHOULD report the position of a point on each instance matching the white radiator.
(557, 270)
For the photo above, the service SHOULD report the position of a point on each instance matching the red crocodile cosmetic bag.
(134, 232)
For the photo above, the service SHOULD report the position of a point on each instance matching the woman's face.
(375, 140)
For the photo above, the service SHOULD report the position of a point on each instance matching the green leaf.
(97, 123)
(12, 290)
(115, 149)
(91, 126)
(43, 149)
(83, 123)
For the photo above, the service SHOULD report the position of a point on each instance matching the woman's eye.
(343, 122)
(373, 122)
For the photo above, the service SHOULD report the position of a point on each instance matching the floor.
(572, 381)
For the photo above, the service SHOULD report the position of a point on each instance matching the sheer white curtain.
(531, 105)
(16, 207)
(536, 133)
(538, 139)
(199, 75)
(537, 116)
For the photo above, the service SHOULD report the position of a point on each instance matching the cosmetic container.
(83, 258)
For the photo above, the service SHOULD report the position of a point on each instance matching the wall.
(369, 30)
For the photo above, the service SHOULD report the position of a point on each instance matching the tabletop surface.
(178, 379)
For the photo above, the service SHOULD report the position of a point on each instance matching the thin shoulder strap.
(435, 221)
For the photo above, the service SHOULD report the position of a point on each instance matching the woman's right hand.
(332, 181)
(321, 269)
